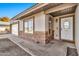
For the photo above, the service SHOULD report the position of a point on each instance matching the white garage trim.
(15, 28)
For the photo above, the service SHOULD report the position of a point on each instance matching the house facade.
(48, 21)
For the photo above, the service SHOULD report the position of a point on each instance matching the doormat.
(71, 52)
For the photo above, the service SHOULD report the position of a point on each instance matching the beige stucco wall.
(46, 22)
(77, 28)
(40, 22)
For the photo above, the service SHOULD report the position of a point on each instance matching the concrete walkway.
(54, 48)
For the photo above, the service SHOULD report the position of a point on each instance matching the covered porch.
(61, 23)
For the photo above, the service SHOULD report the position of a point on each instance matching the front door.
(67, 28)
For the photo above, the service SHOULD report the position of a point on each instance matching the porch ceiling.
(46, 7)
(63, 12)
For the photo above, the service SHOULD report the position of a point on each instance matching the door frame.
(73, 28)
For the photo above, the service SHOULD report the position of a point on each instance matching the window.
(29, 26)
(66, 25)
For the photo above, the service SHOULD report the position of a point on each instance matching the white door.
(67, 28)
(15, 29)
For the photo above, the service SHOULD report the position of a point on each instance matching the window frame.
(28, 20)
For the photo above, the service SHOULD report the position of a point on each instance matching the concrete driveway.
(8, 48)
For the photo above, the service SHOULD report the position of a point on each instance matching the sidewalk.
(55, 48)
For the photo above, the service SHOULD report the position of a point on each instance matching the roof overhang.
(35, 9)
(64, 11)
(47, 7)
